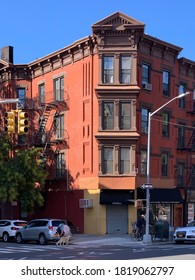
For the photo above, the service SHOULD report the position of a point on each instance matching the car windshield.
(191, 224)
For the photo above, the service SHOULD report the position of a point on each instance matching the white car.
(185, 233)
(8, 228)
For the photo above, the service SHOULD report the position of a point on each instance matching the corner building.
(88, 105)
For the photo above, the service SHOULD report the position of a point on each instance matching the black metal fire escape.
(190, 169)
(45, 136)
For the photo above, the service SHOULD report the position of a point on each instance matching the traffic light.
(9, 122)
(22, 122)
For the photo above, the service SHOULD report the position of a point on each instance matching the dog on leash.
(64, 240)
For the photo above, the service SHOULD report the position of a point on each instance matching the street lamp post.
(148, 185)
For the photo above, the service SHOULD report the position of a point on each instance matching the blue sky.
(39, 27)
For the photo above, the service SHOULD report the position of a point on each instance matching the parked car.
(186, 233)
(40, 230)
(8, 228)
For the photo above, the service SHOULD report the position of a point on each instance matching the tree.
(22, 176)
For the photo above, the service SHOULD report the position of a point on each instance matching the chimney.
(7, 54)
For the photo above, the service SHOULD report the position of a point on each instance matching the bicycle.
(133, 234)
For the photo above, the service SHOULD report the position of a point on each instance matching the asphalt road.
(92, 251)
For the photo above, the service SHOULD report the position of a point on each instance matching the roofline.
(155, 39)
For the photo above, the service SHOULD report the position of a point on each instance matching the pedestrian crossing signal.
(9, 122)
(23, 122)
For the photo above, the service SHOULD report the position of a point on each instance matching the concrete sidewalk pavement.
(110, 239)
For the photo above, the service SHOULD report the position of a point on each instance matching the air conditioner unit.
(86, 203)
(147, 86)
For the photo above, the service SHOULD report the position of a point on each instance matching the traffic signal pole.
(11, 100)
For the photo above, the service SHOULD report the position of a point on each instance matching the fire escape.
(50, 136)
(190, 160)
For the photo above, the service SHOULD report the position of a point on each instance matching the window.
(21, 94)
(60, 165)
(124, 160)
(145, 74)
(108, 69)
(59, 89)
(143, 162)
(162, 211)
(181, 136)
(182, 100)
(116, 115)
(193, 175)
(41, 89)
(59, 127)
(107, 167)
(193, 139)
(166, 83)
(125, 115)
(180, 174)
(108, 115)
(115, 160)
(194, 100)
(125, 69)
(165, 124)
(164, 164)
(144, 120)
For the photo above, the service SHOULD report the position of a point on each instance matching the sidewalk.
(110, 239)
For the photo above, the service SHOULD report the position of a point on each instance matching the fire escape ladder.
(41, 134)
(190, 168)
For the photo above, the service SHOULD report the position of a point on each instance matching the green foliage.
(20, 172)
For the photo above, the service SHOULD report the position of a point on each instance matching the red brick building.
(88, 105)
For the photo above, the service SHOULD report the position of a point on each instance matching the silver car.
(40, 230)
(185, 233)
(8, 228)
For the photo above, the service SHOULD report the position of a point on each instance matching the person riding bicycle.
(141, 223)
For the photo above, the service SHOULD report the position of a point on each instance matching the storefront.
(162, 204)
(119, 206)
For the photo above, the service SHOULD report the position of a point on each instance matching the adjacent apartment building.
(88, 107)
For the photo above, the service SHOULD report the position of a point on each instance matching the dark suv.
(40, 230)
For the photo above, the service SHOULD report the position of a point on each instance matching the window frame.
(41, 92)
(166, 83)
(165, 124)
(119, 163)
(58, 88)
(108, 120)
(165, 164)
(117, 121)
(181, 136)
(143, 162)
(59, 126)
(108, 69)
(125, 124)
(21, 95)
(60, 165)
(146, 73)
(182, 89)
(125, 72)
(144, 123)
(124, 163)
(106, 163)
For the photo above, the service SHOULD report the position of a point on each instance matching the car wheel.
(5, 237)
(19, 238)
(42, 239)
